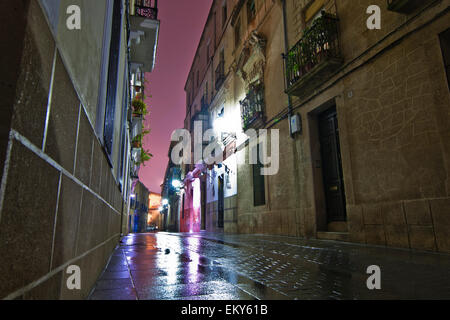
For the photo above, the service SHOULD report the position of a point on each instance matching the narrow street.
(205, 266)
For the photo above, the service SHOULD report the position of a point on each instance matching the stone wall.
(60, 204)
(393, 109)
(398, 123)
(230, 216)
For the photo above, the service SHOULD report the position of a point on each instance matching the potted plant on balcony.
(145, 156)
(293, 72)
(139, 107)
(137, 142)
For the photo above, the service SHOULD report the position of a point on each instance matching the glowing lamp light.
(177, 184)
(133, 196)
(220, 124)
(165, 202)
(227, 123)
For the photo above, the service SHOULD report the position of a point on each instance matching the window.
(313, 11)
(445, 46)
(259, 188)
(224, 14)
(237, 33)
(251, 10)
(113, 74)
(222, 55)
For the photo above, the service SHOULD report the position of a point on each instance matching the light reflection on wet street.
(205, 266)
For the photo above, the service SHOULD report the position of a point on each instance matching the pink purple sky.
(182, 23)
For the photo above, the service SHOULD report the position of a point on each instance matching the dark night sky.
(182, 23)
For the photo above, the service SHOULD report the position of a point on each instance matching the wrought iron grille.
(319, 43)
(253, 105)
(145, 8)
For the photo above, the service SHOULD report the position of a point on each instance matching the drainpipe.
(286, 50)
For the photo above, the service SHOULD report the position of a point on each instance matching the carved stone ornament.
(252, 61)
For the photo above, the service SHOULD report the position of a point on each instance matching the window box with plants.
(139, 155)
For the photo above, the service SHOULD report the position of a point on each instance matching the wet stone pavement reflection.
(205, 266)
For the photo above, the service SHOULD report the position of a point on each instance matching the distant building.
(155, 219)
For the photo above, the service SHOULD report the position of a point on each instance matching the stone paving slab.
(206, 266)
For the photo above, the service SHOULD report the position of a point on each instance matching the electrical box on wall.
(296, 124)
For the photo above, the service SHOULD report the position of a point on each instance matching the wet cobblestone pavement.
(169, 266)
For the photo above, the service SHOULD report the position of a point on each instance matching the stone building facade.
(65, 143)
(362, 114)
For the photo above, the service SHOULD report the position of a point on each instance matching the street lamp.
(177, 184)
(165, 202)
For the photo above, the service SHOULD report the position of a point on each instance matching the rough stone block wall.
(59, 202)
(398, 124)
(394, 119)
(230, 216)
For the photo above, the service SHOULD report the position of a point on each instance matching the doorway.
(332, 172)
(220, 205)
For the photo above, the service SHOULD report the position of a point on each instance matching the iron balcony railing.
(220, 75)
(252, 107)
(146, 9)
(319, 43)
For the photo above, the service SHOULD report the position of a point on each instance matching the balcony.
(135, 171)
(135, 162)
(136, 155)
(252, 108)
(405, 6)
(136, 126)
(220, 75)
(314, 58)
(138, 78)
(144, 31)
(145, 9)
(137, 81)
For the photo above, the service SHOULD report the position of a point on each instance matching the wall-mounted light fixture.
(177, 184)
